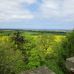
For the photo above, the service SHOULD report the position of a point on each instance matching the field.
(25, 50)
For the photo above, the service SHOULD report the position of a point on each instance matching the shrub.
(10, 60)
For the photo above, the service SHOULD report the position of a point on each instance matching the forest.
(25, 50)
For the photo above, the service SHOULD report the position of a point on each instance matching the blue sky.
(37, 14)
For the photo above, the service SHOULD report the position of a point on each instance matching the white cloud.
(11, 10)
(68, 7)
(49, 8)
(29, 1)
(57, 9)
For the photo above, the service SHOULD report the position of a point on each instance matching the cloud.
(29, 1)
(68, 7)
(57, 9)
(12, 9)
(49, 8)
(43, 9)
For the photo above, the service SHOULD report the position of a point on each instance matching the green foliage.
(66, 50)
(26, 50)
(34, 59)
(68, 45)
(10, 60)
(18, 39)
(45, 41)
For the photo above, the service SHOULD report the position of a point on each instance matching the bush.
(66, 50)
(68, 45)
(10, 60)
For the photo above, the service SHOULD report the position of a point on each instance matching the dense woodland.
(25, 50)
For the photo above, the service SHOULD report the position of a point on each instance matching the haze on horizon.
(36, 14)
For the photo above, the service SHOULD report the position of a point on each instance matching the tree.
(68, 45)
(18, 39)
(23, 43)
(66, 50)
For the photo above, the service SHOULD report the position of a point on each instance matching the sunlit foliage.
(21, 50)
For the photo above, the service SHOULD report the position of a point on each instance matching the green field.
(25, 50)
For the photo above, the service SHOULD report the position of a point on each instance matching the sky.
(37, 14)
